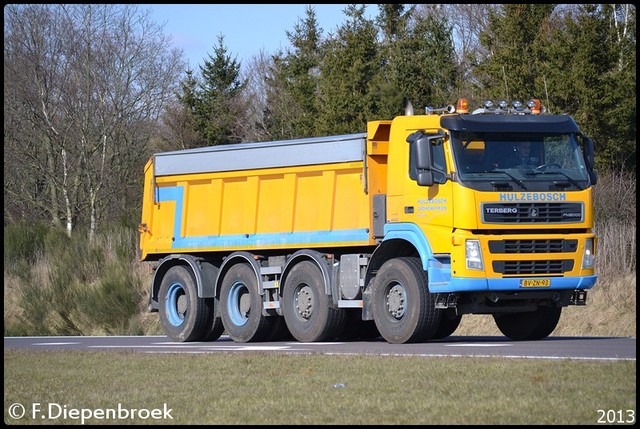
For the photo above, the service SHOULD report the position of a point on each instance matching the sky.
(247, 28)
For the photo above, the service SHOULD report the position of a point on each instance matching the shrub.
(23, 242)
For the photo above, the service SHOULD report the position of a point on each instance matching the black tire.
(217, 328)
(279, 330)
(529, 326)
(449, 322)
(241, 306)
(307, 308)
(183, 315)
(357, 329)
(403, 308)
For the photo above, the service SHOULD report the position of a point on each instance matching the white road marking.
(263, 348)
(197, 346)
(53, 344)
(479, 345)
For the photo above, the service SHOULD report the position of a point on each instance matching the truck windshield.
(529, 160)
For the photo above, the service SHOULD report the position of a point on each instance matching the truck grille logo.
(532, 213)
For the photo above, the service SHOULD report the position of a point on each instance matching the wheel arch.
(238, 258)
(407, 239)
(204, 272)
(308, 255)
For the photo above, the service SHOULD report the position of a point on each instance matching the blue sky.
(247, 28)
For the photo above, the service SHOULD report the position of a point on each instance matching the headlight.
(473, 255)
(588, 257)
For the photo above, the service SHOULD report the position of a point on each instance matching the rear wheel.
(532, 325)
(357, 329)
(241, 306)
(217, 328)
(279, 330)
(307, 308)
(403, 309)
(184, 316)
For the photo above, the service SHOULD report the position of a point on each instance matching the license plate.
(535, 283)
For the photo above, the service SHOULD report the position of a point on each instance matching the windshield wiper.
(536, 171)
(515, 179)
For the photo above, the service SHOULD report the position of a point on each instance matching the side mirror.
(589, 153)
(423, 153)
(422, 159)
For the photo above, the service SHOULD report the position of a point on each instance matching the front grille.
(532, 213)
(533, 267)
(533, 246)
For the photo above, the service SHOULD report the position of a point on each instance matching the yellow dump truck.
(397, 232)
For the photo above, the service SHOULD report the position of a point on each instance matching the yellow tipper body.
(305, 193)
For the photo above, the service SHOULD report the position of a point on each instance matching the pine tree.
(292, 102)
(218, 109)
(591, 75)
(392, 22)
(349, 67)
(428, 63)
(512, 38)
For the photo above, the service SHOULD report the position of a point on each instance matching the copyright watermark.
(55, 411)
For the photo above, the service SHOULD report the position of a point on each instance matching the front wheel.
(184, 316)
(449, 322)
(532, 325)
(403, 308)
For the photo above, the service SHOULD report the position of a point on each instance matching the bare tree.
(257, 73)
(467, 22)
(86, 84)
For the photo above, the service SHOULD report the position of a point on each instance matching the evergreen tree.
(513, 38)
(278, 106)
(293, 103)
(348, 69)
(591, 75)
(182, 119)
(418, 59)
(427, 74)
(392, 23)
(218, 107)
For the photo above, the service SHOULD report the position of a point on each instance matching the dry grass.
(610, 311)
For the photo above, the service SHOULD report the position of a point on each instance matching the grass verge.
(262, 388)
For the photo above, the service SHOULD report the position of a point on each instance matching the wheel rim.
(239, 303)
(395, 301)
(304, 302)
(176, 304)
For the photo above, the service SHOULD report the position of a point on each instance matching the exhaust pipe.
(408, 107)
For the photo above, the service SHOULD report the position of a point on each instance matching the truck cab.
(498, 205)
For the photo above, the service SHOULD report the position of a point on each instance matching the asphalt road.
(584, 348)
